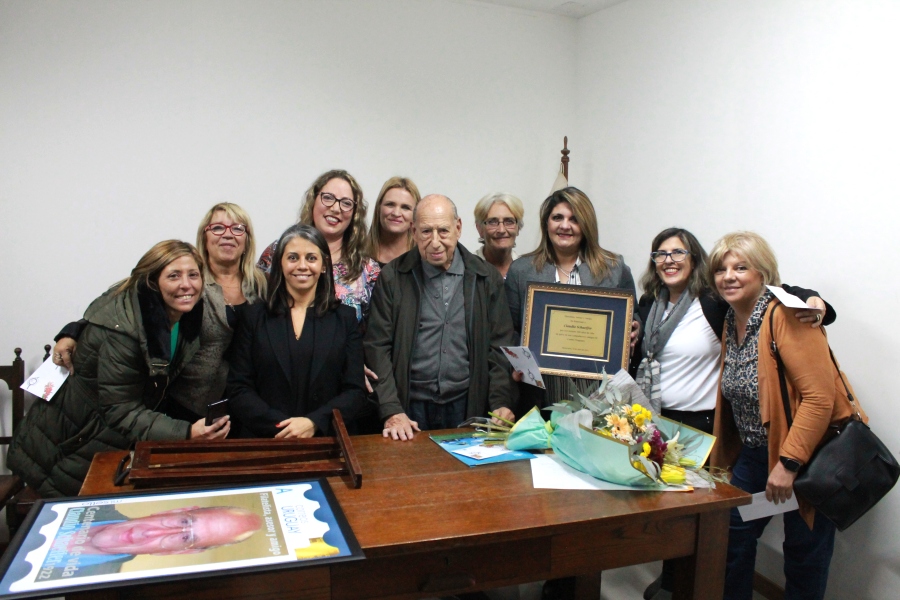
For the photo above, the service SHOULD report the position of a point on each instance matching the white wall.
(774, 116)
(121, 123)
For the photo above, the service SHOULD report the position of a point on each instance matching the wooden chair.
(14, 376)
(19, 498)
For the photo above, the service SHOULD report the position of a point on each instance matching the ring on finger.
(818, 317)
(57, 355)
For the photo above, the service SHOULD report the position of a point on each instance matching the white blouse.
(689, 363)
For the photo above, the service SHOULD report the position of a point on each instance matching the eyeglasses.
(328, 200)
(184, 539)
(494, 223)
(660, 256)
(237, 229)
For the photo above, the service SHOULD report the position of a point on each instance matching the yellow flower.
(672, 474)
(646, 451)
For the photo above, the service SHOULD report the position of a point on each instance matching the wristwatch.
(790, 464)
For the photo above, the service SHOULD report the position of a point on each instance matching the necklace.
(566, 274)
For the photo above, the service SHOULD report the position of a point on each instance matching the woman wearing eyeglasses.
(498, 219)
(226, 244)
(335, 206)
(391, 235)
(679, 352)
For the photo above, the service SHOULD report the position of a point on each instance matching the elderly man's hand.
(399, 427)
(503, 413)
(814, 315)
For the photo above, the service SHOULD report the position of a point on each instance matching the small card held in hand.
(46, 381)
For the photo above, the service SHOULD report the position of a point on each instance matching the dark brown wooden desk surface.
(429, 526)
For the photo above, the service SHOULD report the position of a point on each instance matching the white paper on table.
(45, 382)
(760, 507)
(789, 300)
(549, 472)
(522, 359)
(480, 452)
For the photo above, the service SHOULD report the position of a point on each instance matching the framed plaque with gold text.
(578, 331)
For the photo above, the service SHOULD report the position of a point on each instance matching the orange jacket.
(817, 395)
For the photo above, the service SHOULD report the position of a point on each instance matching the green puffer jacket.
(117, 395)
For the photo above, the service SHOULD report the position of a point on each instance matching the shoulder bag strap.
(846, 389)
(781, 379)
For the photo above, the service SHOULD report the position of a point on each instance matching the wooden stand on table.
(186, 463)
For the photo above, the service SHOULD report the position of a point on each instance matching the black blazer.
(715, 309)
(259, 377)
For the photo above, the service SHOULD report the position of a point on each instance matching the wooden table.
(431, 526)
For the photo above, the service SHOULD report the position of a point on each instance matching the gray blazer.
(522, 271)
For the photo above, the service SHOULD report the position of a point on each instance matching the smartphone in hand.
(216, 409)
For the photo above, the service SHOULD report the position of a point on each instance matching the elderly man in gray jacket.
(438, 318)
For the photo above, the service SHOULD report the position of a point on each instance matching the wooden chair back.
(14, 376)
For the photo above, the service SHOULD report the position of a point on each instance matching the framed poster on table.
(578, 331)
(77, 544)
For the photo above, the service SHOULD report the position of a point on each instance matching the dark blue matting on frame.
(578, 331)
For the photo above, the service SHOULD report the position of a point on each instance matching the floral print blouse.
(740, 385)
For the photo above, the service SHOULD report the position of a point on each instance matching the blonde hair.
(752, 248)
(375, 232)
(353, 246)
(152, 263)
(598, 260)
(253, 281)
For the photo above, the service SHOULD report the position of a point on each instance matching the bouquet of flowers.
(613, 435)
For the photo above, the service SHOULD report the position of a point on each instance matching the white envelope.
(522, 359)
(46, 381)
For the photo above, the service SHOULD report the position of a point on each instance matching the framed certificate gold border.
(610, 310)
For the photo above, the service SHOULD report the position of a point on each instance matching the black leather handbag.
(851, 472)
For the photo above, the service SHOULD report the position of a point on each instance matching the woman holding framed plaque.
(568, 253)
(679, 352)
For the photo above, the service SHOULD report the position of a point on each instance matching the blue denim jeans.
(807, 553)
(430, 415)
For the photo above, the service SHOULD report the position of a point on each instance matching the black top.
(301, 359)
(263, 387)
